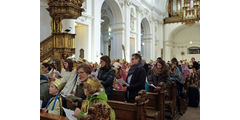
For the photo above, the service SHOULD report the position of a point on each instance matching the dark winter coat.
(137, 83)
(106, 75)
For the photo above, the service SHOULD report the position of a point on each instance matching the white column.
(116, 43)
(148, 41)
(96, 24)
(152, 25)
(68, 24)
(105, 45)
(147, 49)
(127, 33)
(160, 42)
(167, 51)
(138, 39)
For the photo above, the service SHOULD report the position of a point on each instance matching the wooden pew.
(155, 108)
(171, 101)
(47, 116)
(130, 111)
(118, 95)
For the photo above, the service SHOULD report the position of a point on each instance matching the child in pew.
(95, 94)
(55, 104)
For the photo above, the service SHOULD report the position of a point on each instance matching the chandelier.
(190, 11)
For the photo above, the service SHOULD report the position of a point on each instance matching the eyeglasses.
(81, 72)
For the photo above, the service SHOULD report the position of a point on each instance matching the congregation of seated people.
(93, 83)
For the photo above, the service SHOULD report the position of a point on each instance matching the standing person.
(146, 66)
(69, 75)
(195, 66)
(176, 75)
(159, 73)
(136, 78)
(185, 70)
(120, 74)
(106, 75)
(175, 62)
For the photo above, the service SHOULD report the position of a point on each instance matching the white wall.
(81, 40)
(45, 21)
(177, 39)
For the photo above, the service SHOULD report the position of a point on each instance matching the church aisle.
(191, 114)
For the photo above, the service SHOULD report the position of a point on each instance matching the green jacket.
(100, 97)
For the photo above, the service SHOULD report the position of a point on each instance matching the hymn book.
(69, 114)
(122, 82)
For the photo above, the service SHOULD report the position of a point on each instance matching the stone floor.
(191, 114)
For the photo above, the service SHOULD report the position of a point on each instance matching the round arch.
(116, 11)
(116, 29)
(146, 26)
(146, 39)
(183, 37)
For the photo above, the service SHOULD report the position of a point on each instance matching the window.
(194, 50)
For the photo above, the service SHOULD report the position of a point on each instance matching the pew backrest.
(47, 116)
(118, 95)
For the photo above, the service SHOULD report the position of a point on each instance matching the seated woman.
(95, 94)
(69, 75)
(83, 71)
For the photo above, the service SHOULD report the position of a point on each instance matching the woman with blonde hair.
(95, 94)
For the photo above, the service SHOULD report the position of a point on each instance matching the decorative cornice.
(176, 19)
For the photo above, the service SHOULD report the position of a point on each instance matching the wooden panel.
(118, 95)
(47, 116)
(153, 99)
(126, 111)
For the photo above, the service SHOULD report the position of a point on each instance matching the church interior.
(120, 59)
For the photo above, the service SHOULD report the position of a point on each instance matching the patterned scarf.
(133, 68)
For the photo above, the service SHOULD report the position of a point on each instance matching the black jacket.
(106, 75)
(137, 83)
(195, 65)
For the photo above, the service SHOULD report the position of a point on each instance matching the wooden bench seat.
(47, 116)
(129, 111)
